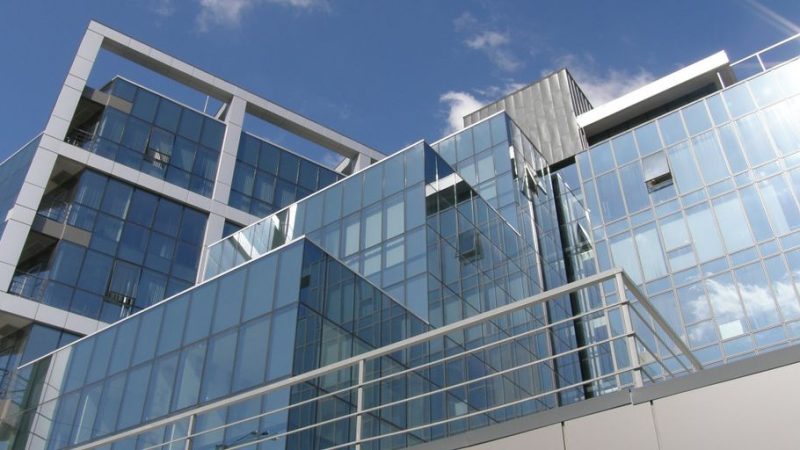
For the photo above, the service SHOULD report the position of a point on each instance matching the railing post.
(189, 432)
(360, 402)
(633, 355)
(761, 62)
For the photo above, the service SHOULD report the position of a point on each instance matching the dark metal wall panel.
(546, 111)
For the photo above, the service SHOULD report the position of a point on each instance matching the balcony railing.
(765, 59)
(628, 345)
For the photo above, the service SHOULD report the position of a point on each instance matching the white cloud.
(459, 104)
(229, 12)
(487, 40)
(602, 85)
(163, 8)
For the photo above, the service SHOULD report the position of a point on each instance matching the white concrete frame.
(237, 102)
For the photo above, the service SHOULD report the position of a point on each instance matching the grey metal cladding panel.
(545, 112)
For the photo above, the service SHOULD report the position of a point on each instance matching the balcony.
(627, 345)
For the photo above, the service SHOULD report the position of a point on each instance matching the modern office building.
(551, 271)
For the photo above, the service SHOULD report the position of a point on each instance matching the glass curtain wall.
(716, 245)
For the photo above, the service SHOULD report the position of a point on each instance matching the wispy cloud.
(602, 85)
(229, 13)
(773, 18)
(460, 103)
(488, 40)
(163, 8)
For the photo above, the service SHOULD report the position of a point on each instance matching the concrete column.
(72, 89)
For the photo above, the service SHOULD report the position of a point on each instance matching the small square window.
(657, 174)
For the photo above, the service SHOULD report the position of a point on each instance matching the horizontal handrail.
(618, 274)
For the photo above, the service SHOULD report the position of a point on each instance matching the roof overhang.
(658, 93)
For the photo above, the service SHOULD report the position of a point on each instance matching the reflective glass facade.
(268, 177)
(715, 244)
(157, 136)
(103, 248)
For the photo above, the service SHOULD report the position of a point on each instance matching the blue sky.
(386, 73)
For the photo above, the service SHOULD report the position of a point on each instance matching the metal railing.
(760, 61)
(630, 345)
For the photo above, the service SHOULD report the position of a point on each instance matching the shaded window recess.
(657, 173)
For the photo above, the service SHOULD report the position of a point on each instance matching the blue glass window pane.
(351, 195)
(133, 398)
(624, 255)
(143, 206)
(704, 233)
(185, 264)
(717, 108)
(201, 312)
(755, 140)
(285, 193)
(755, 214)
(67, 263)
(133, 243)
(123, 346)
(283, 329)
(123, 89)
(781, 121)
(396, 181)
(147, 337)
(159, 392)
(696, 118)
(729, 211)
(709, 157)
(289, 167)
(251, 357)
(648, 139)
(651, 254)
(308, 175)
(107, 233)
(248, 149)
(205, 163)
(260, 288)
(160, 252)
(727, 307)
(172, 325)
(373, 181)
(168, 217)
(326, 178)
(161, 142)
(135, 135)
(633, 186)
(212, 133)
(144, 106)
(759, 302)
(610, 197)
(229, 301)
(289, 276)
(780, 205)
(332, 204)
(602, 158)
(87, 411)
(219, 366)
(264, 187)
(90, 189)
(683, 168)
(168, 115)
(672, 128)
(95, 272)
(464, 144)
(738, 100)
(733, 151)
(269, 157)
(190, 369)
(117, 198)
(192, 227)
(190, 125)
